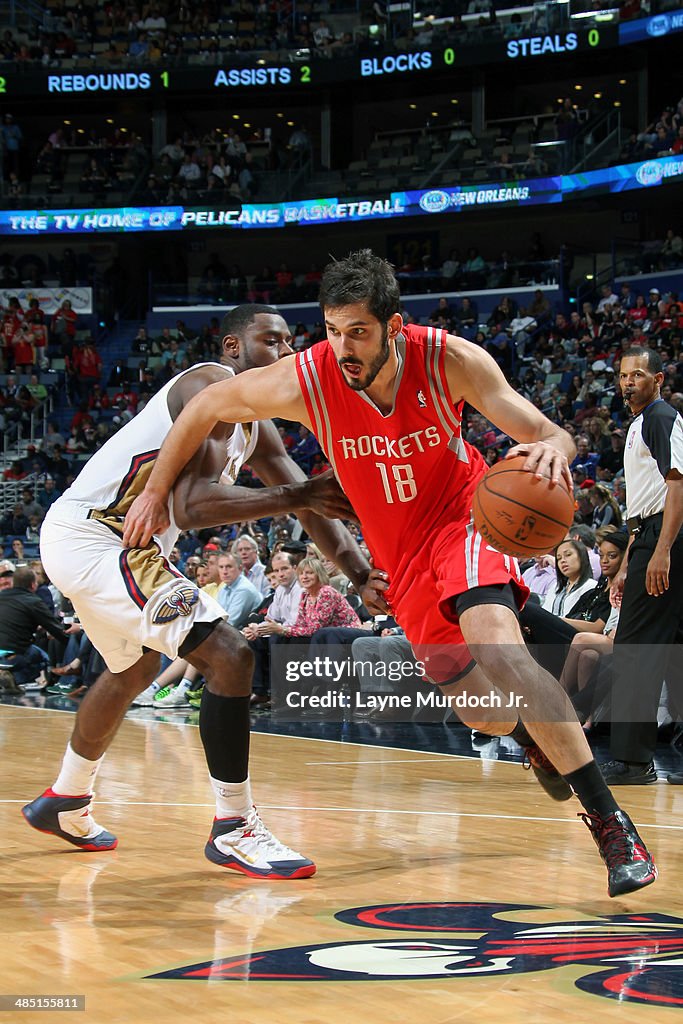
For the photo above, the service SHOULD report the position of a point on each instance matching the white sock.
(184, 684)
(77, 774)
(233, 799)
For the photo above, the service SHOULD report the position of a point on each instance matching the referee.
(650, 589)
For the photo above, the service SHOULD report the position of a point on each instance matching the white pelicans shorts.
(126, 599)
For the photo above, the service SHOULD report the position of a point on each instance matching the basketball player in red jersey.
(385, 401)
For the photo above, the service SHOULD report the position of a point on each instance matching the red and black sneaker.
(547, 774)
(629, 864)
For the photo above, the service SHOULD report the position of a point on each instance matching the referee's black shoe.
(629, 864)
(675, 778)
(628, 773)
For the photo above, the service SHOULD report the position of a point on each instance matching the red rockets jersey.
(408, 472)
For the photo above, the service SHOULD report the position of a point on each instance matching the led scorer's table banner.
(457, 199)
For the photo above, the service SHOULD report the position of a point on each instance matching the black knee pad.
(494, 593)
(197, 635)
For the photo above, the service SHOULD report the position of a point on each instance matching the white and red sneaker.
(247, 846)
(69, 818)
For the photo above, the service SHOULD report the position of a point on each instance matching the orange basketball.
(519, 514)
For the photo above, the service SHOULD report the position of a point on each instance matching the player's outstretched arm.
(201, 498)
(253, 395)
(474, 376)
(322, 504)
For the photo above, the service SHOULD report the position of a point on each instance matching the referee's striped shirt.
(654, 446)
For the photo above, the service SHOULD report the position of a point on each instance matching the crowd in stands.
(214, 167)
(29, 339)
(211, 167)
(662, 136)
(530, 342)
(160, 31)
(222, 166)
(467, 270)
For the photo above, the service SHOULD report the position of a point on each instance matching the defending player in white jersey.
(134, 604)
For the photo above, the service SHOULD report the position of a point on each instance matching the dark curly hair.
(361, 277)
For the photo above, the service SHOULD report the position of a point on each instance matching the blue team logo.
(435, 201)
(179, 602)
(650, 173)
(659, 26)
(634, 958)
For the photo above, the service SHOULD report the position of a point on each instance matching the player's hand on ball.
(544, 459)
(146, 516)
(520, 513)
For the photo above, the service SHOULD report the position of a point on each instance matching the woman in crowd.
(573, 392)
(638, 313)
(321, 605)
(504, 313)
(593, 609)
(300, 337)
(606, 511)
(550, 633)
(590, 643)
(17, 552)
(599, 433)
(202, 574)
(43, 590)
(563, 412)
(76, 442)
(574, 578)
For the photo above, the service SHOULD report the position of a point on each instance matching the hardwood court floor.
(387, 827)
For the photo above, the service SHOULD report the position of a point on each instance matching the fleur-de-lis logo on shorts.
(179, 602)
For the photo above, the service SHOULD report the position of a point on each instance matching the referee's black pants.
(646, 649)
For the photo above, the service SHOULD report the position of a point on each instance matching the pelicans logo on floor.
(641, 955)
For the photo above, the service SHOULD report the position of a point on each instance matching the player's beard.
(363, 383)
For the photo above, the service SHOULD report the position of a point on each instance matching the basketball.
(518, 514)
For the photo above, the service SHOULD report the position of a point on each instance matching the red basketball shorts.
(452, 561)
